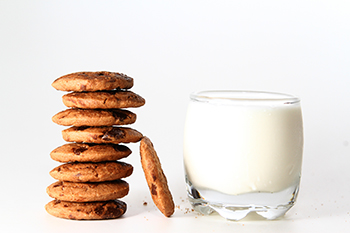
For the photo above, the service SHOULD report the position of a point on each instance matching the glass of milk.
(243, 152)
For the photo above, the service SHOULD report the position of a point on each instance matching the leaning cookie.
(84, 152)
(94, 117)
(155, 177)
(92, 172)
(103, 100)
(93, 81)
(85, 192)
(86, 210)
(103, 134)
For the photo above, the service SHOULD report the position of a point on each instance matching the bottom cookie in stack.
(88, 190)
(86, 210)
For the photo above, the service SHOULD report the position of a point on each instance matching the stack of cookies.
(90, 180)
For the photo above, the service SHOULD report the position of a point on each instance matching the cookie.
(86, 192)
(86, 210)
(84, 152)
(91, 172)
(93, 81)
(92, 117)
(103, 134)
(155, 177)
(103, 100)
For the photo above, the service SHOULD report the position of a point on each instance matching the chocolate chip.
(79, 150)
(120, 115)
(113, 211)
(154, 177)
(99, 210)
(115, 133)
(120, 148)
(154, 190)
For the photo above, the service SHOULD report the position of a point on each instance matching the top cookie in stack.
(95, 111)
(93, 81)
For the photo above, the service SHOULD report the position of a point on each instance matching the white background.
(172, 48)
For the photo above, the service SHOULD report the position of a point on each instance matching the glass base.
(236, 207)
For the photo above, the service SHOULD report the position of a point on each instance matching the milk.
(237, 147)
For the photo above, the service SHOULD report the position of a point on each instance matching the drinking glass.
(243, 152)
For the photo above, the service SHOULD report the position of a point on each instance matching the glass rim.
(243, 95)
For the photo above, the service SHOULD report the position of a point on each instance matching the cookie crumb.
(145, 203)
(188, 210)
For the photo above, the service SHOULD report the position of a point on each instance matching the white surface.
(172, 49)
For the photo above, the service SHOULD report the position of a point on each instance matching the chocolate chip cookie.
(103, 100)
(93, 117)
(86, 192)
(103, 134)
(84, 152)
(93, 81)
(86, 210)
(91, 172)
(155, 177)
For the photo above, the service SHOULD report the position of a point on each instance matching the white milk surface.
(237, 149)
